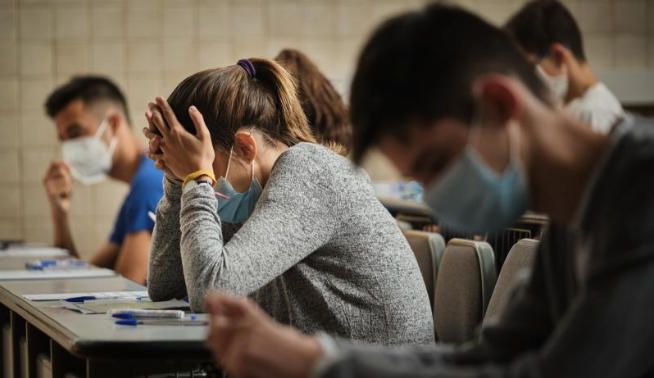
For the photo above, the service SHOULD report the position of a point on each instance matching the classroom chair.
(416, 221)
(428, 248)
(466, 277)
(515, 270)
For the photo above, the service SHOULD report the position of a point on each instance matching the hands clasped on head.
(175, 150)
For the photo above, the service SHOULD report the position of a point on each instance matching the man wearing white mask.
(549, 35)
(93, 125)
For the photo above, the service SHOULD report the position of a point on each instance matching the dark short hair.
(323, 106)
(420, 66)
(89, 89)
(541, 23)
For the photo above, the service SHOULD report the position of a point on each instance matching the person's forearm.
(201, 242)
(63, 237)
(165, 276)
(353, 360)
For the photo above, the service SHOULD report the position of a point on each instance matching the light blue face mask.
(236, 207)
(471, 197)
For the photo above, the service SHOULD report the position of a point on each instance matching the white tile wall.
(71, 21)
(36, 58)
(213, 22)
(631, 16)
(8, 58)
(108, 21)
(9, 127)
(72, 58)
(148, 46)
(9, 94)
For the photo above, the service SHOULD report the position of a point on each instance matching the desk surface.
(396, 206)
(92, 336)
(18, 262)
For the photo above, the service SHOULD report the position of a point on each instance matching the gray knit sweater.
(319, 252)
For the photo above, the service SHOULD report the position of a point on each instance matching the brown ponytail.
(325, 110)
(231, 97)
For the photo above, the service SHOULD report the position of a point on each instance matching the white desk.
(90, 345)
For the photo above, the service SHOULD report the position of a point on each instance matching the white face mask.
(89, 158)
(557, 84)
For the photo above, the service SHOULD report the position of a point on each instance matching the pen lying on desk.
(146, 314)
(162, 322)
(96, 300)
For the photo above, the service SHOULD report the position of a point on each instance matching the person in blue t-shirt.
(93, 124)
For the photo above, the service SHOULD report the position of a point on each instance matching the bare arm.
(58, 185)
(63, 237)
(106, 256)
(132, 261)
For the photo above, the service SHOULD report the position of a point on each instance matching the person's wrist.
(311, 352)
(58, 209)
(200, 175)
(204, 178)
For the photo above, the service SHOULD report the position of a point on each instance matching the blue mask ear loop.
(229, 161)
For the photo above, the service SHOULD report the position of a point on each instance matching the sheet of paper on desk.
(26, 251)
(88, 307)
(50, 274)
(97, 295)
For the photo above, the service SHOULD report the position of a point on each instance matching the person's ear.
(560, 54)
(498, 100)
(245, 146)
(114, 121)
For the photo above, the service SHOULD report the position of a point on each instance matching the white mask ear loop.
(252, 170)
(229, 161)
(98, 134)
(102, 128)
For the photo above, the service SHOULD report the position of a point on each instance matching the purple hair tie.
(248, 67)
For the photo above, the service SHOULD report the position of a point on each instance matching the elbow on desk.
(196, 298)
(158, 293)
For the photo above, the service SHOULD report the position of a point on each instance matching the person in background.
(549, 35)
(290, 222)
(323, 106)
(485, 139)
(93, 126)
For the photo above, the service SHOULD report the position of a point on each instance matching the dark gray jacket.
(588, 309)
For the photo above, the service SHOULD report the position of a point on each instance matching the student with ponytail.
(288, 222)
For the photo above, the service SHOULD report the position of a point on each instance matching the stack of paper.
(29, 251)
(97, 295)
(103, 302)
(103, 307)
(51, 274)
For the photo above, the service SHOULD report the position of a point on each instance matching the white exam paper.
(50, 274)
(24, 251)
(97, 295)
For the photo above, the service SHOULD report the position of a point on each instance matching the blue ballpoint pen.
(162, 322)
(80, 299)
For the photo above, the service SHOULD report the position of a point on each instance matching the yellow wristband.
(202, 172)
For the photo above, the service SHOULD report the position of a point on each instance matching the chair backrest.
(428, 248)
(516, 268)
(466, 277)
(416, 221)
